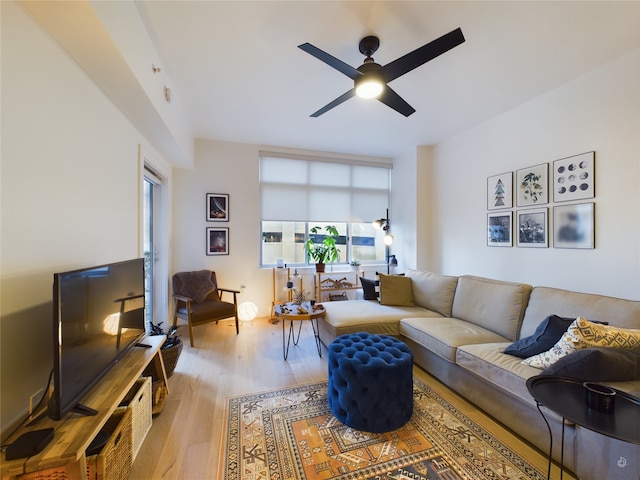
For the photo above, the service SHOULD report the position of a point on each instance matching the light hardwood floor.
(185, 439)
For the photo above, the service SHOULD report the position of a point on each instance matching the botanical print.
(500, 191)
(532, 185)
(574, 177)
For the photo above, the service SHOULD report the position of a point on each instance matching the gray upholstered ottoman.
(370, 381)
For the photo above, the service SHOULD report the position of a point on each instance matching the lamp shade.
(369, 88)
(371, 83)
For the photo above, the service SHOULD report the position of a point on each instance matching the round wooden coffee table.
(292, 313)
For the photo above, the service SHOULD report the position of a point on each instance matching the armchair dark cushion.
(198, 300)
(195, 285)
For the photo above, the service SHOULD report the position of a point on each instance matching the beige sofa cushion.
(500, 369)
(493, 304)
(368, 316)
(433, 291)
(443, 336)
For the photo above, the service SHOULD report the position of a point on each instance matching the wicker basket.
(116, 457)
(170, 357)
(138, 400)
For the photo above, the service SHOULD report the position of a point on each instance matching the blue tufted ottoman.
(370, 381)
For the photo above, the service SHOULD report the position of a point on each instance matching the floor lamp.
(385, 225)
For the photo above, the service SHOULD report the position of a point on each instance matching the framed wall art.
(500, 191)
(532, 230)
(574, 177)
(217, 207)
(499, 229)
(217, 241)
(532, 185)
(574, 226)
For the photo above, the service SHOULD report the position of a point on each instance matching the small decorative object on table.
(599, 397)
(299, 297)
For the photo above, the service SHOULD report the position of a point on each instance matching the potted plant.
(355, 265)
(324, 251)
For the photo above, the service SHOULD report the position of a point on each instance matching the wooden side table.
(291, 312)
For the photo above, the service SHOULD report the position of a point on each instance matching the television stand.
(73, 434)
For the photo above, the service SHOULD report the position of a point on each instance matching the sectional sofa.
(458, 329)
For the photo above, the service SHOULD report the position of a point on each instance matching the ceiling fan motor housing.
(369, 45)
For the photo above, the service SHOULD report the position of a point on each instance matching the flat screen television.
(98, 315)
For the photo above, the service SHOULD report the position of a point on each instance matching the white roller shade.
(318, 191)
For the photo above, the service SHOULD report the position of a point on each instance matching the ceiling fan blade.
(422, 55)
(342, 98)
(330, 60)
(390, 98)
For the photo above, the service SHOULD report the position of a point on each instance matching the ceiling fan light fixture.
(368, 87)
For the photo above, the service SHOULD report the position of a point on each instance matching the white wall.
(228, 168)
(407, 202)
(70, 194)
(600, 112)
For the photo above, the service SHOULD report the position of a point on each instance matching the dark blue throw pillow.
(598, 365)
(546, 336)
(369, 288)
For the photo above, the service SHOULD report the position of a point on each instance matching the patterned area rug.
(292, 435)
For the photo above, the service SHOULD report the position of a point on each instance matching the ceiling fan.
(371, 79)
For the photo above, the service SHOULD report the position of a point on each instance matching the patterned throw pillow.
(562, 348)
(585, 334)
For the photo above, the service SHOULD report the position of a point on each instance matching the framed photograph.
(574, 226)
(574, 177)
(532, 185)
(532, 228)
(217, 207)
(499, 229)
(500, 191)
(217, 241)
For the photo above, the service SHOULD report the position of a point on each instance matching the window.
(298, 193)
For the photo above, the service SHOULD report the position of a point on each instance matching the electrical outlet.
(33, 400)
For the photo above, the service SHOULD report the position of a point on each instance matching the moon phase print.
(574, 177)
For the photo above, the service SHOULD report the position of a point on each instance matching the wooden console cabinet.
(74, 433)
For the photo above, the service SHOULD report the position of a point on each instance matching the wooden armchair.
(197, 299)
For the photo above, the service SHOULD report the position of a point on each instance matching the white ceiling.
(236, 69)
